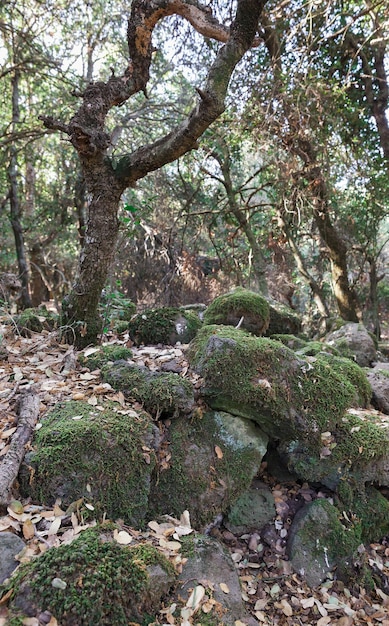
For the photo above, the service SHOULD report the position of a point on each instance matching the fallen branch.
(28, 410)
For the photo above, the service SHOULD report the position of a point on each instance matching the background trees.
(288, 193)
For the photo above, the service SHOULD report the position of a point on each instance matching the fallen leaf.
(122, 537)
(28, 529)
(219, 452)
(224, 588)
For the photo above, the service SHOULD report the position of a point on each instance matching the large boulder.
(304, 405)
(102, 456)
(94, 580)
(242, 308)
(211, 461)
(264, 381)
(353, 341)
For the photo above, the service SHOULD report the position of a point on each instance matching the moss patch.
(105, 583)
(84, 452)
(166, 325)
(36, 320)
(230, 308)
(283, 320)
(160, 393)
(290, 341)
(104, 355)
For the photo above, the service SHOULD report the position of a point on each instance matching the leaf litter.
(272, 592)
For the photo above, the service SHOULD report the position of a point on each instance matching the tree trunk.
(15, 207)
(80, 314)
(88, 134)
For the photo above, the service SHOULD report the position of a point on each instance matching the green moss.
(103, 355)
(97, 456)
(264, 381)
(312, 348)
(194, 476)
(105, 583)
(36, 320)
(229, 308)
(163, 326)
(159, 392)
(354, 374)
(290, 341)
(359, 440)
(283, 319)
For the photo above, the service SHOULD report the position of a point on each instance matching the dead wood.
(28, 410)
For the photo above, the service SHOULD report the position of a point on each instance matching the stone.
(212, 461)
(352, 340)
(98, 455)
(166, 325)
(379, 381)
(10, 546)
(162, 394)
(240, 308)
(210, 565)
(252, 510)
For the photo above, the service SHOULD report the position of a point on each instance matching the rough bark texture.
(88, 135)
(9, 468)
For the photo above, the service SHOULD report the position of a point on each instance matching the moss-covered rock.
(324, 536)
(213, 461)
(283, 320)
(264, 381)
(104, 354)
(162, 394)
(312, 348)
(355, 451)
(249, 309)
(290, 341)
(354, 374)
(100, 582)
(36, 320)
(165, 325)
(98, 455)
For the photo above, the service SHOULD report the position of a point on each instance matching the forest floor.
(272, 592)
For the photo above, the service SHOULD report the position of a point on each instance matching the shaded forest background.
(286, 193)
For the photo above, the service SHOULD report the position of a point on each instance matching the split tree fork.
(86, 129)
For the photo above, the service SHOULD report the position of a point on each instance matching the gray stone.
(10, 546)
(308, 545)
(252, 510)
(210, 565)
(353, 340)
(379, 380)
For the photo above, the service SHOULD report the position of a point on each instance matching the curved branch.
(184, 137)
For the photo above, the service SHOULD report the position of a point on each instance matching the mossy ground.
(106, 583)
(160, 393)
(155, 326)
(104, 355)
(241, 303)
(94, 454)
(36, 320)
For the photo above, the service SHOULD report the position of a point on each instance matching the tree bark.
(106, 183)
(15, 207)
(28, 414)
